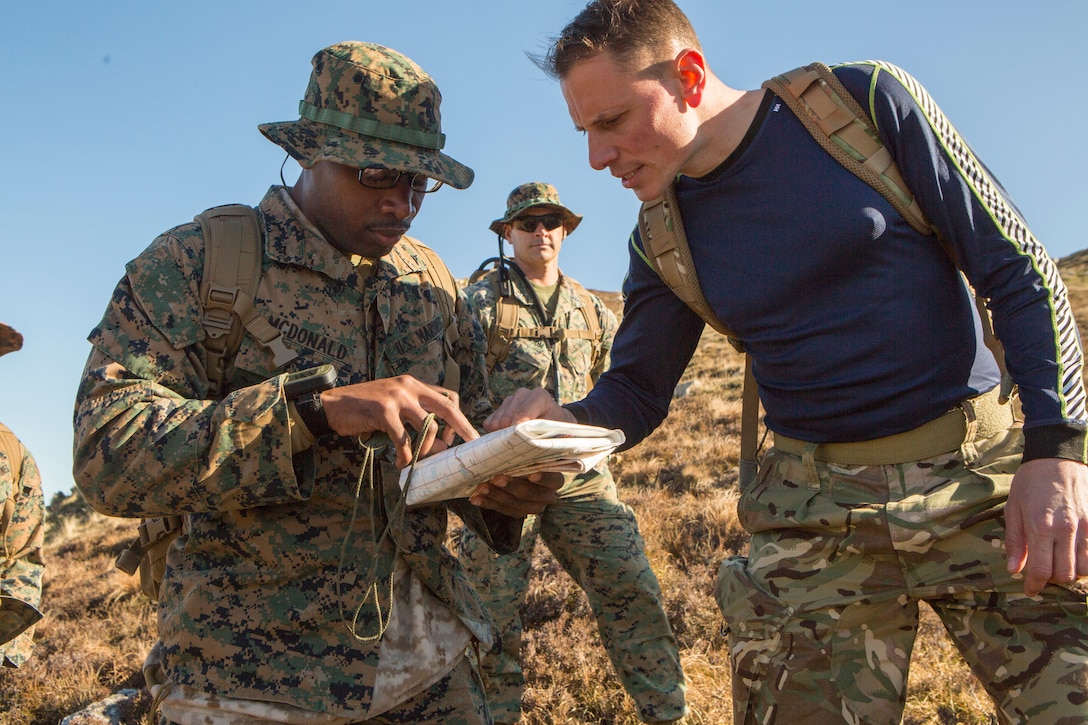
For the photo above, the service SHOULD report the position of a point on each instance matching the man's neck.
(545, 274)
(727, 121)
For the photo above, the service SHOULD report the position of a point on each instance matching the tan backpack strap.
(504, 327)
(749, 426)
(440, 277)
(663, 238)
(551, 332)
(13, 450)
(593, 328)
(232, 271)
(835, 119)
(589, 312)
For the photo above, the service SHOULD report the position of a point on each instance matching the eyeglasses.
(528, 223)
(379, 177)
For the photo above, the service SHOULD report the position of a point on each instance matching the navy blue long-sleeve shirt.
(858, 325)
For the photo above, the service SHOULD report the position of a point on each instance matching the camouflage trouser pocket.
(754, 622)
(768, 504)
(998, 456)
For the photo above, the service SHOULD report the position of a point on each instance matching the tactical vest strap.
(552, 332)
(504, 327)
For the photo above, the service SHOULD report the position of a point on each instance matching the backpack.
(504, 325)
(835, 119)
(233, 257)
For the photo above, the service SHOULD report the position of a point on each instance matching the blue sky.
(123, 119)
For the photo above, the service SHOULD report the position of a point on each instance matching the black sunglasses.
(528, 223)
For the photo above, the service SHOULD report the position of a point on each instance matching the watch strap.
(312, 413)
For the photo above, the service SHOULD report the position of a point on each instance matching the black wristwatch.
(304, 390)
(313, 414)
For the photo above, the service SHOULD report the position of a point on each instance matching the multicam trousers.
(595, 538)
(822, 614)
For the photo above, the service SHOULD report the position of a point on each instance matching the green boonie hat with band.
(535, 193)
(368, 105)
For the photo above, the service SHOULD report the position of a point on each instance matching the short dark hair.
(628, 29)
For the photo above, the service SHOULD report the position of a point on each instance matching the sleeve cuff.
(578, 412)
(1056, 441)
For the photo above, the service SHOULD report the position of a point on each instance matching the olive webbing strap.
(232, 271)
(589, 312)
(504, 327)
(664, 240)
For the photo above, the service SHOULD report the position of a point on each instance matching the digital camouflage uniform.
(21, 530)
(297, 586)
(592, 534)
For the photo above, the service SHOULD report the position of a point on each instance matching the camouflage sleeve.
(147, 441)
(501, 533)
(609, 324)
(481, 302)
(21, 569)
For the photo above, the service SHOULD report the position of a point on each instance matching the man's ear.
(690, 68)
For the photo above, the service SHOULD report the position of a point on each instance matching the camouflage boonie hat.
(16, 617)
(535, 193)
(368, 105)
(10, 339)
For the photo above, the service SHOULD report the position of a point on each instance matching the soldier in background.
(21, 532)
(301, 590)
(561, 344)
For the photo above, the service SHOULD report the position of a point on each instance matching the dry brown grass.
(681, 482)
(96, 629)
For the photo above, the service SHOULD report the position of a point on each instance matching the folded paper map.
(529, 447)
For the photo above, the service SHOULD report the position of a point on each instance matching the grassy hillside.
(682, 484)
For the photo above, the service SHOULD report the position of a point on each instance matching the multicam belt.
(976, 418)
